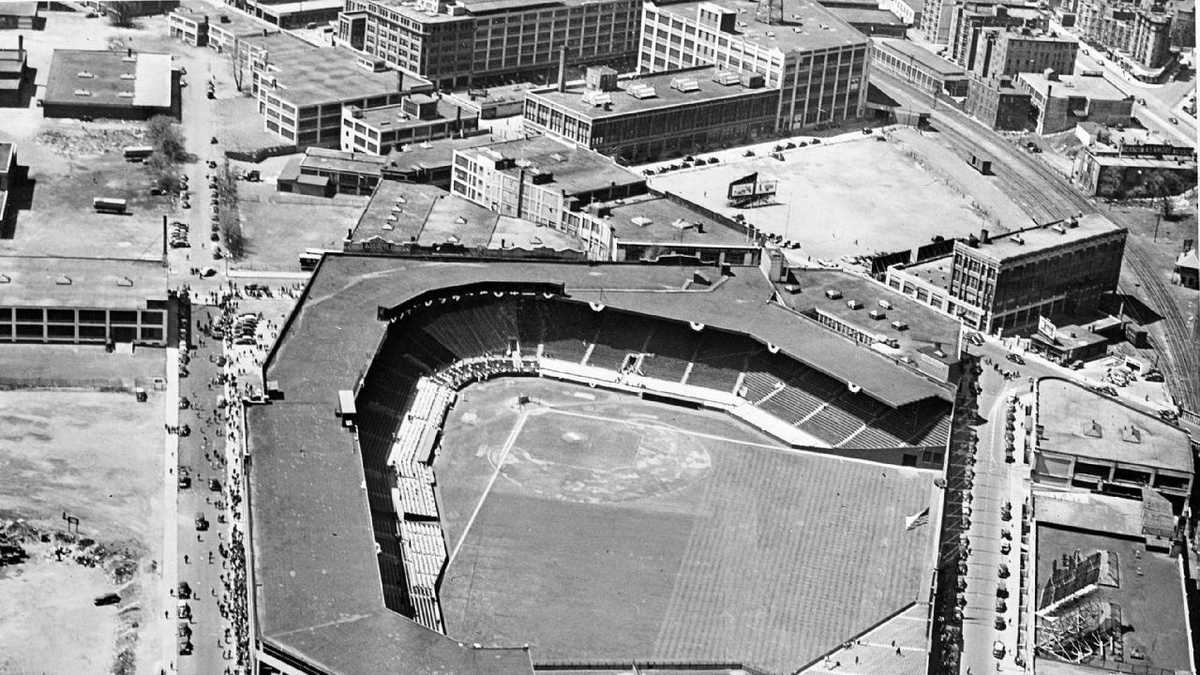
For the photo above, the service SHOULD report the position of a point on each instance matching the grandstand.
(442, 329)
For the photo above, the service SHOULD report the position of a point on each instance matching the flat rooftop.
(1064, 86)
(808, 26)
(1067, 410)
(307, 75)
(653, 218)
(341, 161)
(1149, 595)
(300, 7)
(574, 169)
(433, 154)
(666, 96)
(111, 78)
(926, 326)
(1032, 240)
(388, 117)
(864, 15)
(919, 54)
(8, 152)
(34, 281)
(405, 213)
(935, 270)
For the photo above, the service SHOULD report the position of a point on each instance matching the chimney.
(21, 43)
(562, 69)
(400, 81)
(983, 236)
(129, 52)
(1050, 74)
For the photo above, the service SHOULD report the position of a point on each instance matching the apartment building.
(459, 44)
(643, 118)
(909, 11)
(1045, 270)
(1138, 34)
(1000, 55)
(970, 19)
(416, 119)
(817, 61)
(301, 88)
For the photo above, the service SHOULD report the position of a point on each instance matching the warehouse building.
(491, 41)
(84, 300)
(324, 172)
(871, 21)
(416, 119)
(646, 117)
(102, 83)
(918, 66)
(1120, 169)
(1062, 102)
(1004, 284)
(816, 60)
(1135, 34)
(301, 88)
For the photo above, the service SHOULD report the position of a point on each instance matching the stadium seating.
(570, 328)
(670, 351)
(720, 360)
(619, 335)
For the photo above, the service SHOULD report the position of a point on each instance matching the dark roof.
(318, 585)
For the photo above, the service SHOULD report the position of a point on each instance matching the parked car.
(183, 590)
(214, 485)
(1015, 358)
(106, 599)
(185, 478)
(201, 522)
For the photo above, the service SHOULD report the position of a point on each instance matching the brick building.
(658, 115)
(1061, 102)
(817, 61)
(416, 119)
(110, 84)
(462, 44)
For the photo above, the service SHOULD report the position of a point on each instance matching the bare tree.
(163, 133)
(235, 60)
(120, 14)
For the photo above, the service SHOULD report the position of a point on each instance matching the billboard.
(1046, 328)
(752, 186)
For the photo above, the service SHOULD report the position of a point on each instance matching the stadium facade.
(343, 549)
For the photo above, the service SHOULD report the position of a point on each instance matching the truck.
(109, 205)
(138, 153)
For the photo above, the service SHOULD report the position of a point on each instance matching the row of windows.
(89, 316)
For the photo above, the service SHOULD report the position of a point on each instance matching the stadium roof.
(1067, 412)
(318, 586)
(143, 78)
(665, 96)
(808, 26)
(36, 281)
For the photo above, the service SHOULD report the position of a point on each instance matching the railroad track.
(1049, 196)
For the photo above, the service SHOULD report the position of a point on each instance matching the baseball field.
(599, 527)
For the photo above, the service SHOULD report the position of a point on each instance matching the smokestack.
(400, 81)
(164, 233)
(562, 69)
(129, 51)
(21, 43)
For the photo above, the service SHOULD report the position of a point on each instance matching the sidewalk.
(170, 564)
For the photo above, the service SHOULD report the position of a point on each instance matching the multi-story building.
(1061, 102)
(85, 300)
(999, 104)
(871, 21)
(1044, 270)
(458, 44)
(817, 61)
(416, 119)
(970, 19)
(909, 11)
(649, 116)
(1135, 33)
(104, 83)
(189, 26)
(291, 14)
(1000, 54)
(301, 88)
(918, 66)
(1120, 170)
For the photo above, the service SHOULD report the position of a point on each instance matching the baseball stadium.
(494, 467)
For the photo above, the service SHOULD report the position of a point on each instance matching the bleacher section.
(436, 349)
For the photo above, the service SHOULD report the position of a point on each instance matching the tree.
(230, 220)
(1160, 186)
(162, 171)
(120, 14)
(235, 60)
(164, 135)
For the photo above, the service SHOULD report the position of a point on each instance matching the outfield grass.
(645, 531)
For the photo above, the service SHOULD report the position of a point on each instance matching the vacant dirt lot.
(97, 457)
(855, 197)
(621, 529)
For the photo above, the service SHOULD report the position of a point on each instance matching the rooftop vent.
(685, 84)
(877, 314)
(124, 282)
(128, 76)
(64, 280)
(725, 78)
(1017, 239)
(597, 98)
(125, 94)
(833, 293)
(82, 92)
(5, 279)
(886, 304)
(854, 304)
(1059, 229)
(84, 73)
(641, 91)
(899, 325)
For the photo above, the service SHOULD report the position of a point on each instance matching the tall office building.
(490, 41)
(817, 61)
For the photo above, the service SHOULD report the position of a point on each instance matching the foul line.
(508, 444)
(665, 426)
